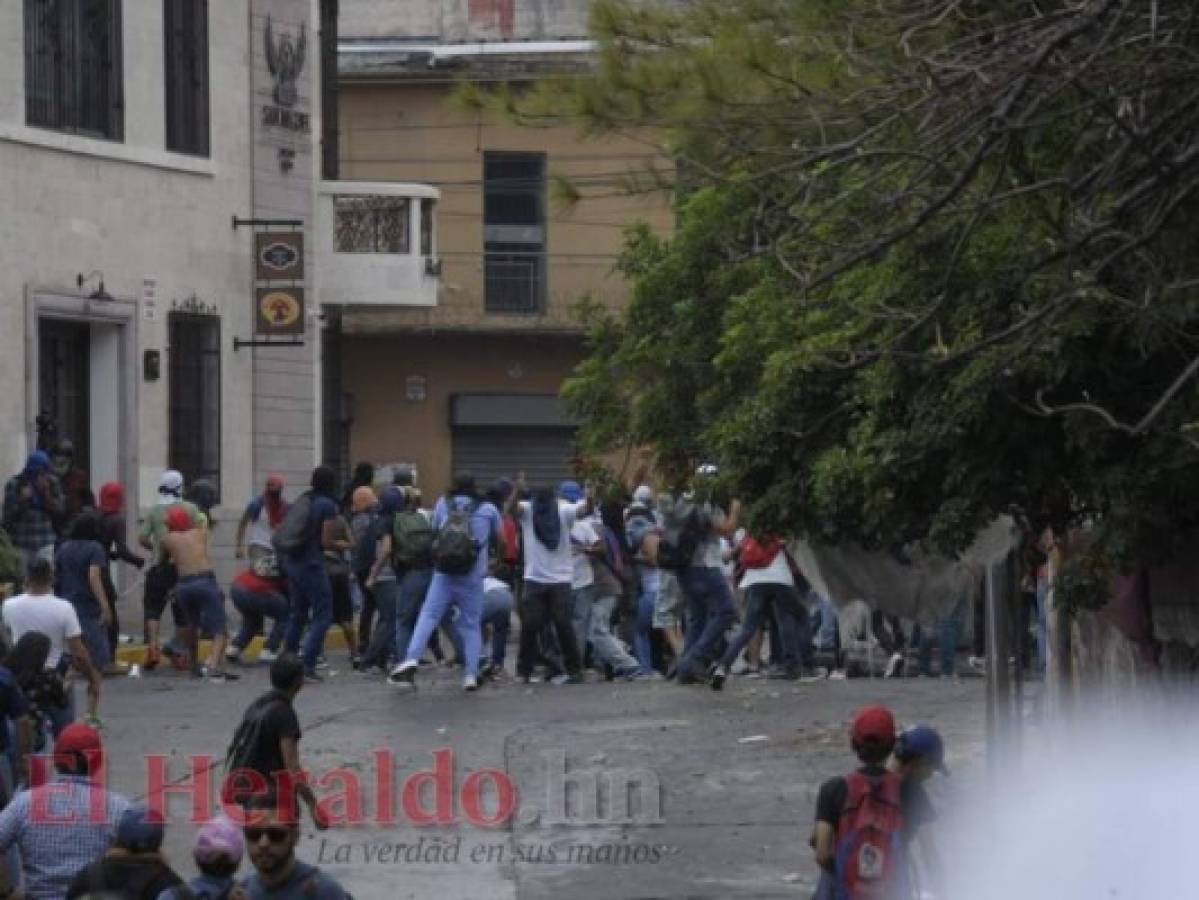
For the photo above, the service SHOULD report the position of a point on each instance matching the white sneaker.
(894, 666)
(470, 683)
(837, 675)
(978, 662)
(404, 675)
(267, 656)
(233, 654)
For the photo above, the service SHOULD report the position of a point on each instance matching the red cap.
(178, 519)
(873, 724)
(78, 737)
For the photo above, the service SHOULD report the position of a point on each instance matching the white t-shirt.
(582, 534)
(778, 572)
(542, 565)
(52, 616)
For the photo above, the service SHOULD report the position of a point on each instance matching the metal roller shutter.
(543, 454)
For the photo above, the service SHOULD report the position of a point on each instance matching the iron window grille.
(514, 232)
(185, 48)
(73, 67)
(195, 396)
(371, 225)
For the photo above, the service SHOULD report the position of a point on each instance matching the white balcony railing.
(376, 244)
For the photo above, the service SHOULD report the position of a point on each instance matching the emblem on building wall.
(285, 60)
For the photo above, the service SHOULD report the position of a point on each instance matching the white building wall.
(140, 214)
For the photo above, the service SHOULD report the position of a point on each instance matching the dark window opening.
(185, 47)
(427, 208)
(514, 232)
(195, 396)
(73, 67)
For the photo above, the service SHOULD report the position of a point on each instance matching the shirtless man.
(198, 593)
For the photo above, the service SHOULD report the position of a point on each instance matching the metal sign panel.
(279, 310)
(279, 255)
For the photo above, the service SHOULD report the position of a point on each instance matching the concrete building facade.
(472, 380)
(139, 142)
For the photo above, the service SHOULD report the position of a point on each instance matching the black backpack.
(455, 550)
(680, 540)
(293, 532)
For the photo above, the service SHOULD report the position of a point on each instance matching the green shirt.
(154, 527)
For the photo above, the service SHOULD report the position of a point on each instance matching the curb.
(135, 654)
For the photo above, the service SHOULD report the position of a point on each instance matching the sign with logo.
(285, 61)
(279, 310)
(279, 256)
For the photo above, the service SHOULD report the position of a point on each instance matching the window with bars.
(514, 232)
(195, 396)
(73, 71)
(371, 225)
(185, 48)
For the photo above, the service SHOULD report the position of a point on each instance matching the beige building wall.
(389, 428)
(413, 132)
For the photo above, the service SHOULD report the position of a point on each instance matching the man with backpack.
(267, 742)
(546, 523)
(860, 818)
(690, 547)
(464, 526)
(308, 530)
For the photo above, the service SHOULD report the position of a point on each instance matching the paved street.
(733, 820)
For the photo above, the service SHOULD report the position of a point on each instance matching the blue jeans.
(383, 597)
(464, 592)
(782, 602)
(605, 645)
(710, 612)
(643, 628)
(414, 586)
(95, 637)
(948, 630)
(311, 596)
(497, 613)
(1040, 627)
(580, 616)
(255, 607)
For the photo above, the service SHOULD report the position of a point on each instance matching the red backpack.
(756, 555)
(868, 865)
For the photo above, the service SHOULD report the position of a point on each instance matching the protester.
(364, 476)
(218, 849)
(770, 590)
(272, 832)
(133, 867)
(259, 593)
(15, 731)
(607, 590)
(381, 580)
(79, 564)
(693, 533)
(465, 527)
(262, 516)
(63, 825)
(268, 741)
(364, 509)
(38, 616)
(113, 531)
(76, 492)
(337, 567)
(312, 529)
(584, 542)
(33, 509)
(641, 537)
(859, 817)
(198, 592)
(919, 754)
(498, 604)
(162, 576)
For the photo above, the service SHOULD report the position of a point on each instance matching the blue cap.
(922, 742)
(138, 831)
(570, 491)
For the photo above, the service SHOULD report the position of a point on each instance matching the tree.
(934, 262)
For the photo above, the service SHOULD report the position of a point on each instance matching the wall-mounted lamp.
(99, 293)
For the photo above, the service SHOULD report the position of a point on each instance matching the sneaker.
(404, 675)
(470, 684)
(894, 666)
(355, 662)
(267, 656)
(217, 676)
(752, 672)
(837, 675)
(312, 676)
(814, 673)
(322, 663)
(566, 679)
(717, 676)
(233, 654)
(978, 662)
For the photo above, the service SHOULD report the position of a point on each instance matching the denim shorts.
(203, 602)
